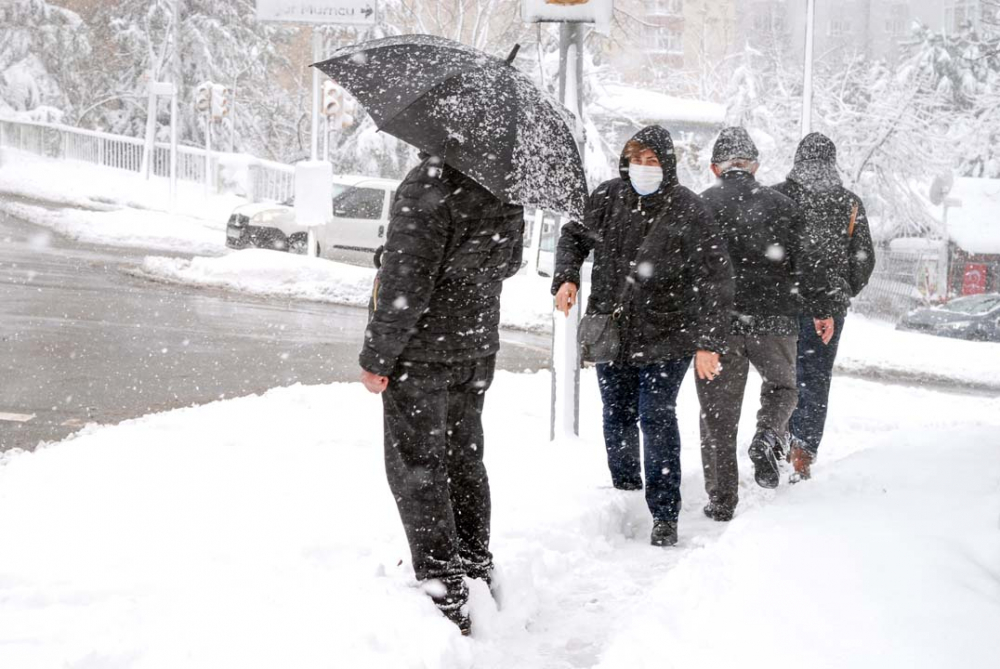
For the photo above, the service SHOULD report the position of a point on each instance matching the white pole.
(536, 243)
(565, 353)
(147, 153)
(807, 77)
(317, 55)
(173, 150)
(208, 151)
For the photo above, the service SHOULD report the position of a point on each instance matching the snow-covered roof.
(975, 226)
(649, 106)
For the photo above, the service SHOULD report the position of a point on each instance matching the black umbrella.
(479, 113)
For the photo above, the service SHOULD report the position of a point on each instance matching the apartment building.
(844, 27)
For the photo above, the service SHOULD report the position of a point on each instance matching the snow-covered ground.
(102, 205)
(259, 532)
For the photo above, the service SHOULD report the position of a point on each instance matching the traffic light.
(349, 112)
(203, 97)
(220, 102)
(333, 99)
(338, 105)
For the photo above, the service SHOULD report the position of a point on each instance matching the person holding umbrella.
(455, 234)
(662, 270)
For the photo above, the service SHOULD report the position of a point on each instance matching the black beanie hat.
(816, 146)
(734, 142)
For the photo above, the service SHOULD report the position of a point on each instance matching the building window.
(668, 40)
(897, 21)
(666, 8)
(768, 18)
(960, 15)
(840, 27)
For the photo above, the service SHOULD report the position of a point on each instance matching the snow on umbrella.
(477, 112)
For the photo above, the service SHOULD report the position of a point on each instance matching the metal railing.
(902, 281)
(268, 180)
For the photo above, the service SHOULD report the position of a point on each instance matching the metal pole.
(208, 151)
(565, 409)
(173, 149)
(807, 77)
(317, 55)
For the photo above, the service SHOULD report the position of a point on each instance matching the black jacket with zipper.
(449, 246)
(666, 247)
(765, 234)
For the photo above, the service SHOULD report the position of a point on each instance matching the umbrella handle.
(513, 54)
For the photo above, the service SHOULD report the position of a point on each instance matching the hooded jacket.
(845, 257)
(775, 279)
(660, 257)
(449, 246)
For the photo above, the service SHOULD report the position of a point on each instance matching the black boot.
(664, 533)
(765, 464)
(452, 603)
(722, 513)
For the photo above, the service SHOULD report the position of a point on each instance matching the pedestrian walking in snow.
(430, 350)
(662, 274)
(774, 282)
(840, 242)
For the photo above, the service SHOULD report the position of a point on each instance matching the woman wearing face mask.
(661, 264)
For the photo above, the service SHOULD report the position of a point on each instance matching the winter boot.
(722, 513)
(765, 465)
(664, 533)
(452, 602)
(801, 460)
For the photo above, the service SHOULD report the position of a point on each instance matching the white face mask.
(645, 179)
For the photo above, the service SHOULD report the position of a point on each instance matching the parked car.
(360, 210)
(974, 317)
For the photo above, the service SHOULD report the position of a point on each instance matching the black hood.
(658, 139)
(816, 163)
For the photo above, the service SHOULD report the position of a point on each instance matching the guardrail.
(902, 281)
(266, 179)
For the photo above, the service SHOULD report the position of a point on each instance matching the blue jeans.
(814, 373)
(644, 396)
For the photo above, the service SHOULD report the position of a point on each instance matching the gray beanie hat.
(734, 142)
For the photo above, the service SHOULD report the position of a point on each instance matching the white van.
(360, 206)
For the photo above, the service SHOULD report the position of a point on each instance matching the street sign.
(561, 11)
(342, 12)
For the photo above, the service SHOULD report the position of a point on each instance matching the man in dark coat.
(774, 282)
(660, 263)
(430, 349)
(840, 241)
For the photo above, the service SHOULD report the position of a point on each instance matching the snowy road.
(81, 341)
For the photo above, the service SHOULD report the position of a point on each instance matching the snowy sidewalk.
(259, 532)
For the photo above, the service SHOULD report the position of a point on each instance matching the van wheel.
(299, 243)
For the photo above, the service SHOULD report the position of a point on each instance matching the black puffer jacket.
(844, 257)
(668, 247)
(764, 233)
(449, 246)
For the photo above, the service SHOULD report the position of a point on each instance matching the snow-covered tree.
(44, 56)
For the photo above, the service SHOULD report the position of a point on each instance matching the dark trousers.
(721, 399)
(814, 374)
(434, 463)
(645, 396)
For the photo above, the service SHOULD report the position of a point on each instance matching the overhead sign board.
(344, 12)
(561, 11)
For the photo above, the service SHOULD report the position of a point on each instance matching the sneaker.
(719, 512)
(765, 465)
(801, 460)
(664, 533)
